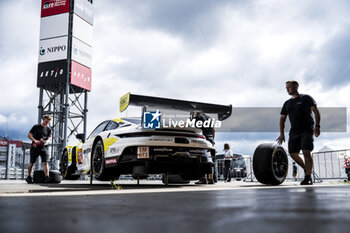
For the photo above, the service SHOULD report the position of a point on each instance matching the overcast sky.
(226, 52)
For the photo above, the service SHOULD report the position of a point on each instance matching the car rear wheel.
(97, 160)
(270, 164)
(98, 164)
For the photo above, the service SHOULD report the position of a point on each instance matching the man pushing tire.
(303, 127)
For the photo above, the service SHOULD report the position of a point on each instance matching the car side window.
(112, 125)
(98, 129)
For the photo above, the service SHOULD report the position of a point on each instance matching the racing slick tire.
(67, 172)
(270, 164)
(39, 177)
(98, 163)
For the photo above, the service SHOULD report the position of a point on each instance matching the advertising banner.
(54, 26)
(81, 53)
(84, 9)
(82, 30)
(53, 49)
(54, 7)
(3, 142)
(80, 76)
(12, 156)
(51, 73)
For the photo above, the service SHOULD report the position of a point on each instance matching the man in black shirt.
(303, 127)
(209, 134)
(39, 135)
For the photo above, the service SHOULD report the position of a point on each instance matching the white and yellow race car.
(124, 146)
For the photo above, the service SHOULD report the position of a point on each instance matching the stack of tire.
(39, 176)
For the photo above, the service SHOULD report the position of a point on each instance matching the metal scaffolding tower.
(64, 69)
(69, 115)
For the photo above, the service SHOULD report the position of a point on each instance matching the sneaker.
(201, 181)
(47, 179)
(29, 180)
(210, 181)
(307, 181)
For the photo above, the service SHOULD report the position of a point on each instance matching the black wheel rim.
(97, 160)
(280, 164)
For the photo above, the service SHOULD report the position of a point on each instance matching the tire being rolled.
(270, 164)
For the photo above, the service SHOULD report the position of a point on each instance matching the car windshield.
(134, 120)
(239, 162)
(237, 156)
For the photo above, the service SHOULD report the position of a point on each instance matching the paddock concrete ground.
(151, 206)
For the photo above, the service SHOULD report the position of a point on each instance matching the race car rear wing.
(223, 111)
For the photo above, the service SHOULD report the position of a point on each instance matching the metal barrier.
(14, 159)
(330, 164)
(248, 164)
(327, 165)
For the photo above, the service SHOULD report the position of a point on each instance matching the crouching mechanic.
(209, 134)
(40, 135)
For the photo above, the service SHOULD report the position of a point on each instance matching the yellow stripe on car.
(69, 150)
(118, 120)
(108, 142)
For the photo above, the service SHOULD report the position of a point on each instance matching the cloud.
(227, 52)
(15, 126)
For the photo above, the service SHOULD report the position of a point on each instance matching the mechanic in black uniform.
(209, 134)
(40, 135)
(303, 127)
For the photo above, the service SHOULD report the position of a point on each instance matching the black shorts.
(300, 141)
(36, 152)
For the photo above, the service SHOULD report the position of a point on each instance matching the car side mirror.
(81, 137)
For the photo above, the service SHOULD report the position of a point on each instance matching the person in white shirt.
(228, 155)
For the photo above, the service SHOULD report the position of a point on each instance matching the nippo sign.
(54, 7)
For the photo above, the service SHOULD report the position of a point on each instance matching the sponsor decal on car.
(107, 142)
(111, 161)
(162, 149)
(196, 151)
(154, 120)
(161, 139)
(114, 150)
(151, 120)
(80, 156)
(197, 141)
(191, 123)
